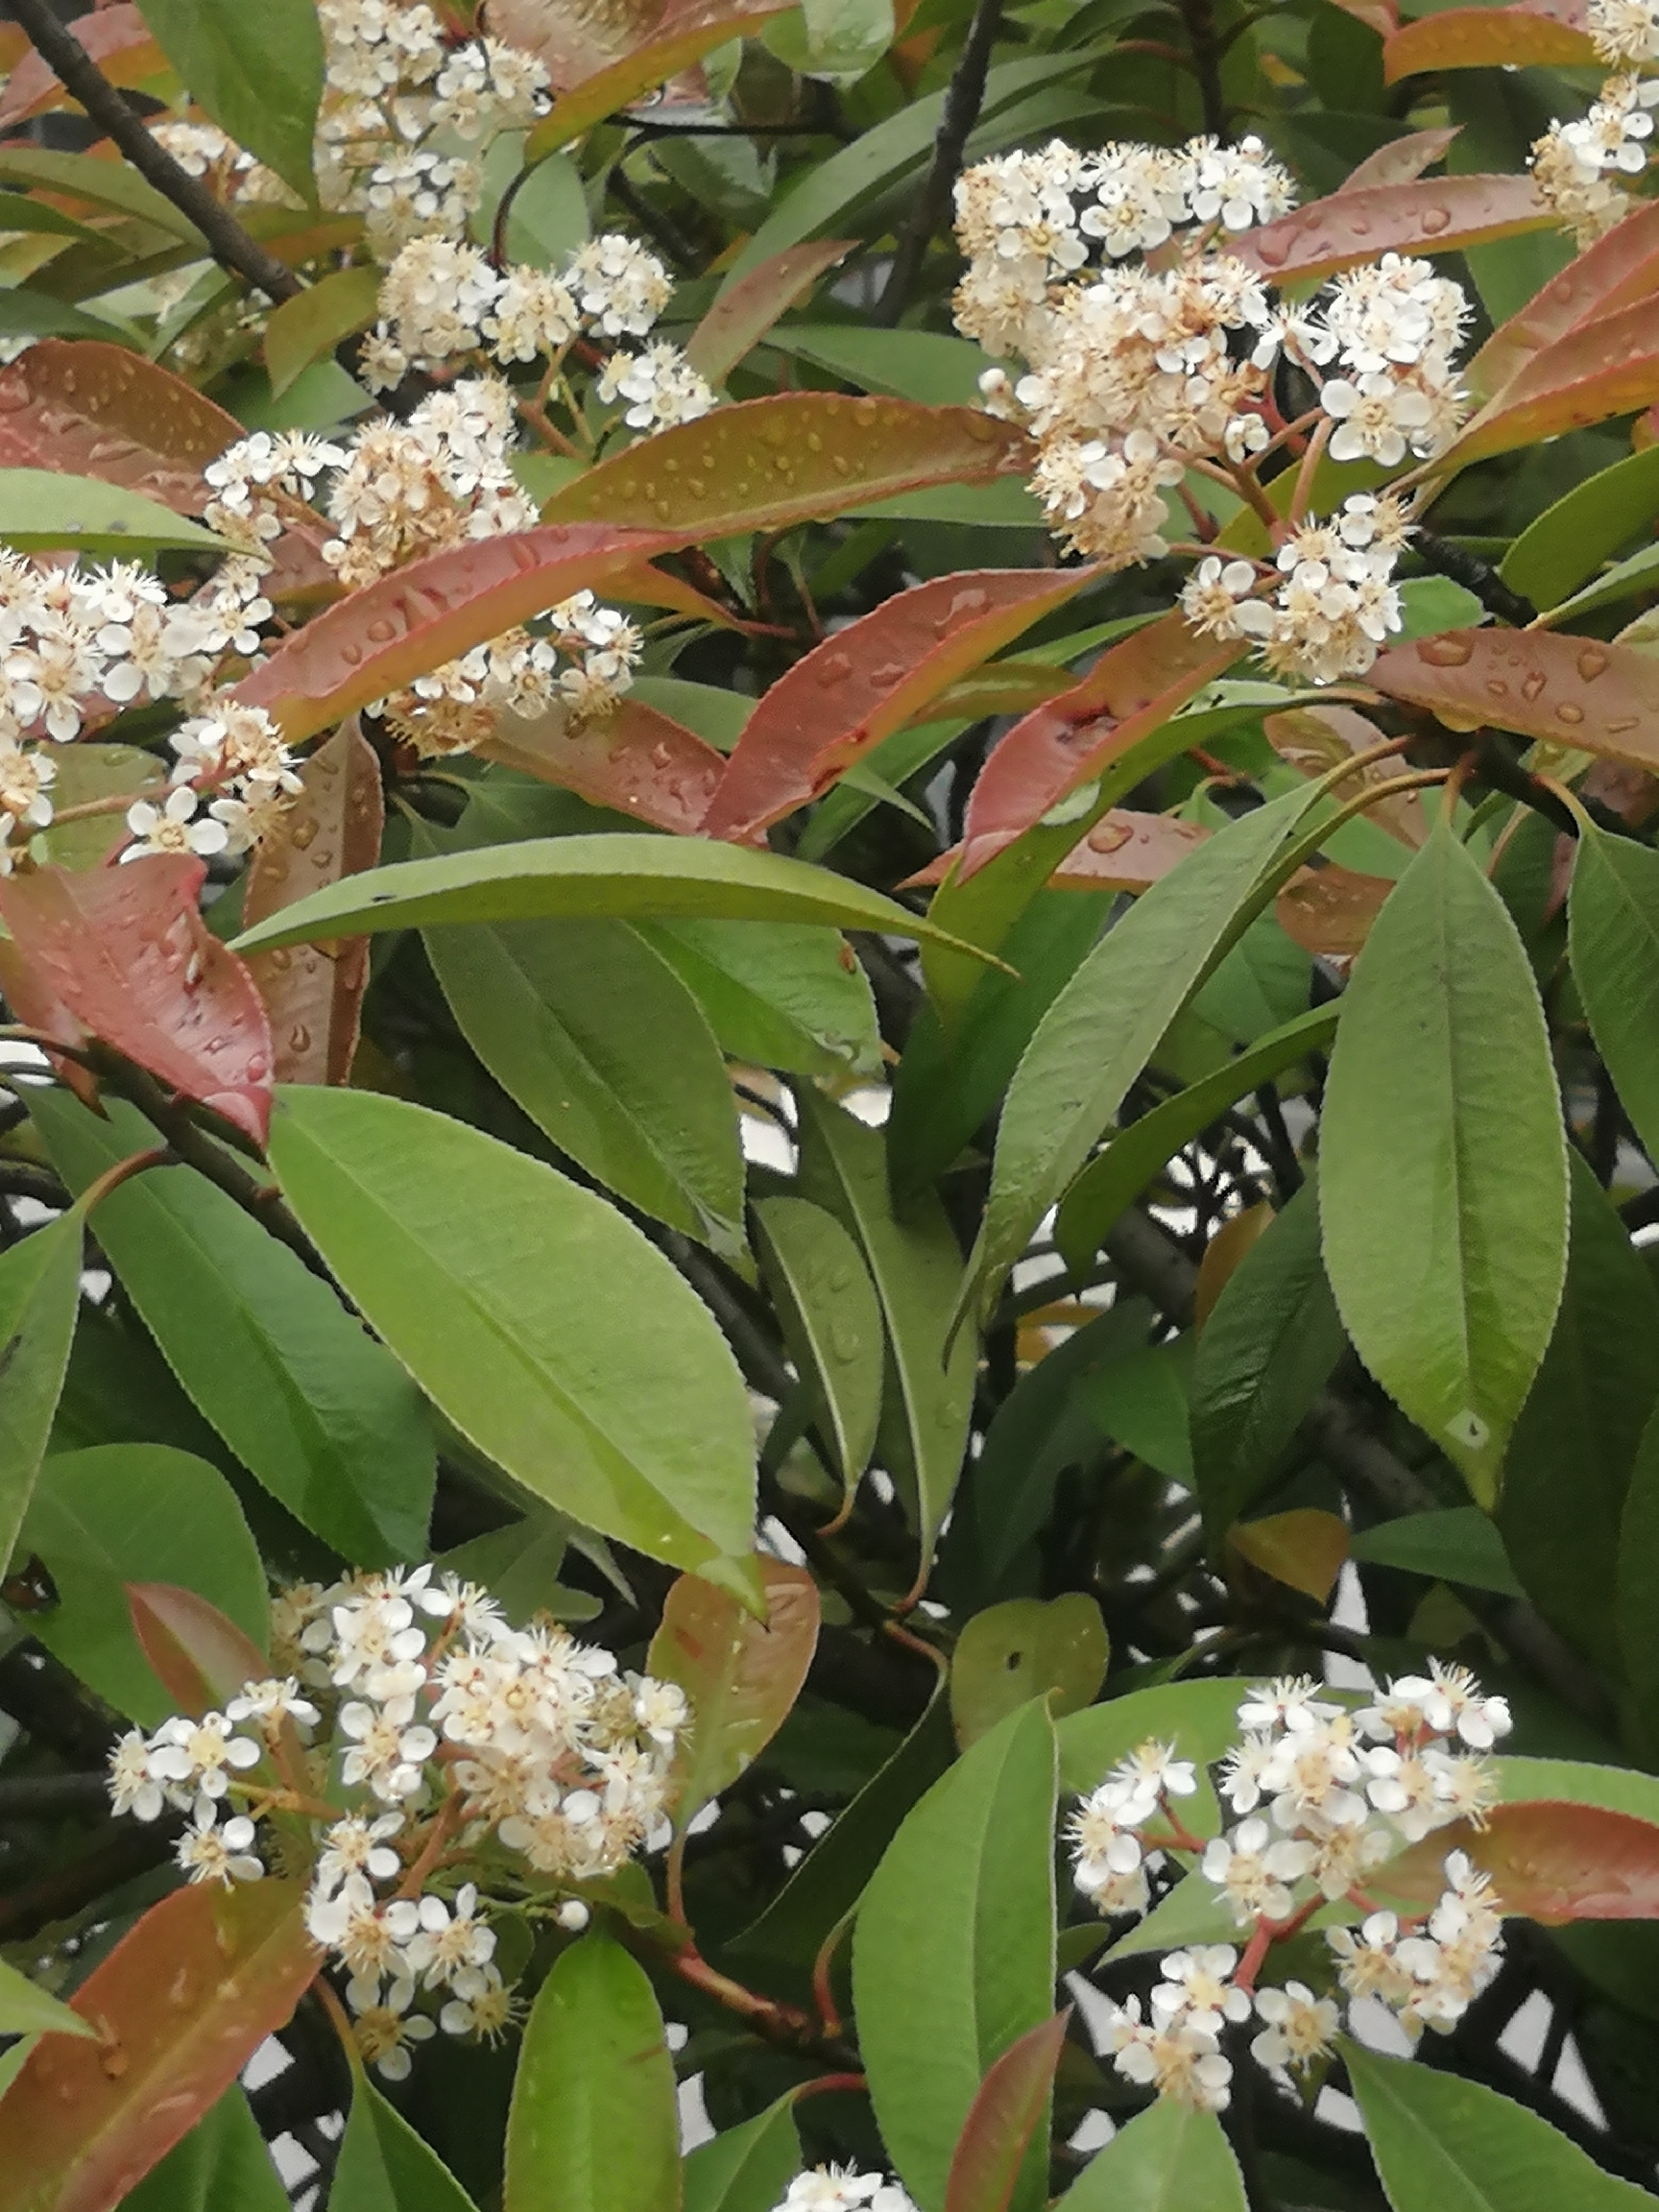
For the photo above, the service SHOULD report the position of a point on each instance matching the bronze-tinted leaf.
(118, 38)
(1400, 161)
(1549, 1860)
(181, 2006)
(638, 761)
(839, 701)
(403, 625)
(1124, 852)
(1316, 739)
(742, 316)
(740, 1675)
(768, 463)
(1304, 1548)
(1600, 369)
(1542, 35)
(1621, 266)
(313, 992)
(1002, 2120)
(199, 1656)
(89, 409)
(1570, 690)
(1435, 215)
(606, 72)
(125, 949)
(1330, 910)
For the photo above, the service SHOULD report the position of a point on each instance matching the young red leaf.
(89, 409)
(1540, 682)
(1124, 852)
(1400, 161)
(313, 992)
(1435, 215)
(1549, 1860)
(1600, 369)
(199, 1657)
(768, 463)
(858, 686)
(1620, 267)
(742, 316)
(1542, 35)
(638, 761)
(125, 951)
(118, 38)
(1132, 688)
(403, 625)
(181, 2006)
(740, 1675)
(1002, 2120)
(678, 40)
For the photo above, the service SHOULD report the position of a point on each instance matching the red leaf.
(1132, 688)
(742, 316)
(90, 409)
(1400, 161)
(199, 1657)
(1598, 370)
(1124, 852)
(118, 38)
(1551, 1860)
(839, 701)
(313, 992)
(1006, 2114)
(647, 586)
(181, 2006)
(1328, 911)
(1604, 699)
(1432, 216)
(1542, 35)
(37, 1008)
(606, 74)
(638, 761)
(1620, 267)
(404, 625)
(125, 951)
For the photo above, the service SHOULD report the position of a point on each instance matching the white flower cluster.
(1332, 601)
(236, 752)
(1583, 168)
(459, 1751)
(1328, 1795)
(839, 2189)
(1139, 374)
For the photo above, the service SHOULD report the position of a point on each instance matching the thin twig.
(84, 80)
(964, 96)
(1205, 47)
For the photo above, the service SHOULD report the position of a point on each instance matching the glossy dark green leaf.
(1570, 1459)
(746, 2169)
(595, 2125)
(1025, 1648)
(295, 1385)
(1638, 1579)
(1142, 1402)
(832, 1321)
(257, 73)
(1264, 1354)
(40, 1296)
(1453, 1543)
(915, 1264)
(1443, 1167)
(953, 1951)
(791, 997)
(539, 1321)
(221, 2166)
(125, 1513)
(1169, 2159)
(1613, 936)
(385, 2166)
(1446, 2145)
(1570, 540)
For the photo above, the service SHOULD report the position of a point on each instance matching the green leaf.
(838, 39)
(595, 2125)
(792, 997)
(1263, 1356)
(28, 2009)
(1115, 1178)
(112, 184)
(1638, 1578)
(87, 771)
(257, 73)
(1443, 1167)
(1142, 1402)
(562, 1343)
(1457, 1544)
(40, 510)
(385, 2166)
(1023, 1650)
(25, 313)
(1169, 2159)
(916, 1266)
(1586, 1411)
(1620, 582)
(549, 217)
(1569, 541)
(125, 1513)
(314, 322)
(1104, 1026)
(595, 1036)
(746, 2169)
(825, 1304)
(1613, 939)
(304, 1398)
(637, 877)
(1446, 2145)
(910, 364)
(953, 1951)
(39, 1299)
(221, 2166)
